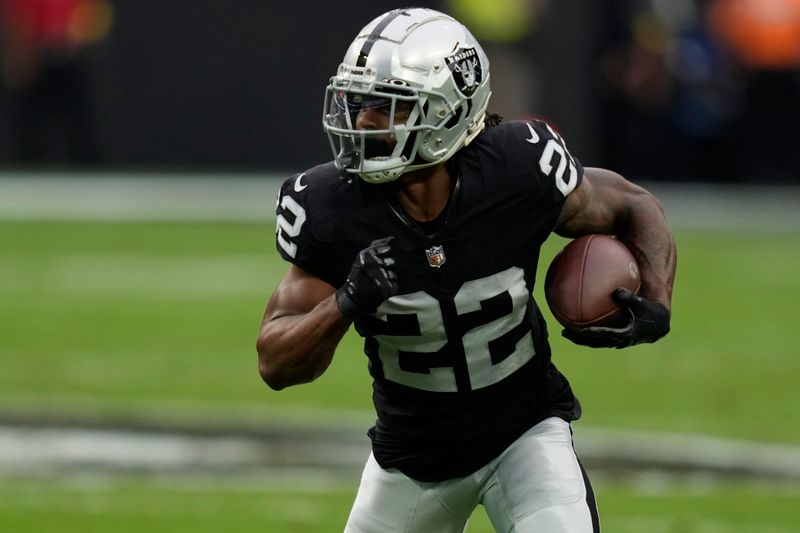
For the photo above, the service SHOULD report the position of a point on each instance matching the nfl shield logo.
(436, 256)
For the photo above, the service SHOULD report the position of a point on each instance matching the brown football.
(582, 277)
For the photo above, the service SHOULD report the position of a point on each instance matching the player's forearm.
(646, 233)
(608, 203)
(297, 349)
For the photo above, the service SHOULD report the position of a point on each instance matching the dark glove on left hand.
(649, 322)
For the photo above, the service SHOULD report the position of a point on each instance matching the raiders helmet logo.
(465, 65)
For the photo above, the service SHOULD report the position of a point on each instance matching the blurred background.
(673, 90)
(141, 148)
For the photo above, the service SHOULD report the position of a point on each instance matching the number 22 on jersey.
(470, 341)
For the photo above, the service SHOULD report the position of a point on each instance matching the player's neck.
(424, 193)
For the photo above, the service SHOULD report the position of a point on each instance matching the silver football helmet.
(427, 73)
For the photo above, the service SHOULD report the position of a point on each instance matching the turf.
(133, 319)
(143, 320)
(131, 505)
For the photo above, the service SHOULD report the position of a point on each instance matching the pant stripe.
(590, 501)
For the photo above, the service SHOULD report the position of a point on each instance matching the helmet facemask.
(369, 152)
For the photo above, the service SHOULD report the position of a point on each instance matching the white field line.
(146, 197)
(640, 450)
(31, 450)
(38, 450)
(119, 196)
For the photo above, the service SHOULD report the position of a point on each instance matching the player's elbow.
(269, 375)
(269, 371)
(642, 200)
(278, 378)
(280, 370)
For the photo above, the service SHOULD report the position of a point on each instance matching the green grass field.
(133, 506)
(158, 320)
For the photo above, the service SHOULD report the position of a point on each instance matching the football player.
(424, 233)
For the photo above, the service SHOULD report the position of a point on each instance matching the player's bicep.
(600, 204)
(297, 293)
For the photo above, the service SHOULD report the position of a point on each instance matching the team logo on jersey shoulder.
(436, 256)
(465, 65)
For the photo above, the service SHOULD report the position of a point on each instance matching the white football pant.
(536, 485)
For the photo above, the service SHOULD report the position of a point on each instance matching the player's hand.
(649, 322)
(371, 281)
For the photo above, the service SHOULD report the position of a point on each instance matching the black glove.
(371, 281)
(649, 322)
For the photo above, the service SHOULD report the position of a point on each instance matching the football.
(582, 277)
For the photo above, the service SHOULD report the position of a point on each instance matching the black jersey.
(459, 358)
